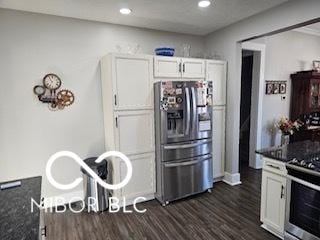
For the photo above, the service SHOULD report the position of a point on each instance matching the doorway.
(252, 90)
(245, 107)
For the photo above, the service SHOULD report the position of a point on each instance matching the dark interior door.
(245, 107)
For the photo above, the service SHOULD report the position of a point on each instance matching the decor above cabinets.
(173, 67)
(47, 93)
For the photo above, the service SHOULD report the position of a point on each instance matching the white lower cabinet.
(273, 197)
(142, 183)
(218, 141)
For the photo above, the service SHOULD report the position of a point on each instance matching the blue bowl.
(164, 52)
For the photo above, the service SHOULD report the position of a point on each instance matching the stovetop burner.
(311, 162)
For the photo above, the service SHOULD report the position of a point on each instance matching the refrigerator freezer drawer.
(172, 152)
(181, 179)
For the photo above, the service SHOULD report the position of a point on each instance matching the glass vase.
(285, 139)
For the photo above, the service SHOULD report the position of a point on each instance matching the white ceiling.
(181, 16)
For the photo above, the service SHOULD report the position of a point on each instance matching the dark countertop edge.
(22, 179)
(286, 153)
(266, 153)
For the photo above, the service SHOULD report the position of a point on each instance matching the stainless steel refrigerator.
(183, 122)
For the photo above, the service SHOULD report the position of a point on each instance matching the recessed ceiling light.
(125, 11)
(204, 3)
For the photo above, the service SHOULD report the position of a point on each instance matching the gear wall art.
(50, 94)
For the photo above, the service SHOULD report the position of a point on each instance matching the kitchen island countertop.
(17, 222)
(290, 151)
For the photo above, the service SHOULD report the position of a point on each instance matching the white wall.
(32, 45)
(286, 53)
(226, 43)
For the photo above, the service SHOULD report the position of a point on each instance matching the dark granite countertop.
(17, 222)
(293, 150)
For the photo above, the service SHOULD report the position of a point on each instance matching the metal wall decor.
(276, 87)
(48, 93)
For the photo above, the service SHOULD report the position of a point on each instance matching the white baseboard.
(232, 179)
(63, 199)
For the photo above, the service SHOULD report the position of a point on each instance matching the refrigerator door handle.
(188, 111)
(190, 145)
(187, 163)
(194, 107)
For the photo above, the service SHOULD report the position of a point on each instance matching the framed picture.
(276, 88)
(283, 88)
(269, 88)
(316, 66)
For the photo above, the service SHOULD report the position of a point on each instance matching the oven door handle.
(305, 183)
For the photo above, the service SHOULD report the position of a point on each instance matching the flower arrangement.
(287, 127)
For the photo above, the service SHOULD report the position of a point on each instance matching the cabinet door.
(193, 68)
(273, 201)
(142, 182)
(314, 94)
(167, 67)
(133, 82)
(218, 141)
(134, 132)
(217, 73)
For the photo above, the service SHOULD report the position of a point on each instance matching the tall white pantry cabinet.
(127, 92)
(216, 71)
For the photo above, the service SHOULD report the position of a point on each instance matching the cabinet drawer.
(274, 166)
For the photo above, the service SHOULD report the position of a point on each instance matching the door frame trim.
(255, 161)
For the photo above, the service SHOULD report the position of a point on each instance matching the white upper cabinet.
(133, 82)
(193, 68)
(167, 67)
(172, 67)
(217, 73)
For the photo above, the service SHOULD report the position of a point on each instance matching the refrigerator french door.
(183, 138)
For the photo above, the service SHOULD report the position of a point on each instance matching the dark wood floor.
(226, 213)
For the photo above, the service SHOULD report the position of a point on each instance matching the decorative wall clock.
(47, 93)
(51, 81)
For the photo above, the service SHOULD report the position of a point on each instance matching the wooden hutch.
(305, 104)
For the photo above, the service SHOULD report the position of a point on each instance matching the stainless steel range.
(183, 139)
(303, 199)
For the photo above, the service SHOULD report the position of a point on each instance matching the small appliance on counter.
(183, 139)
